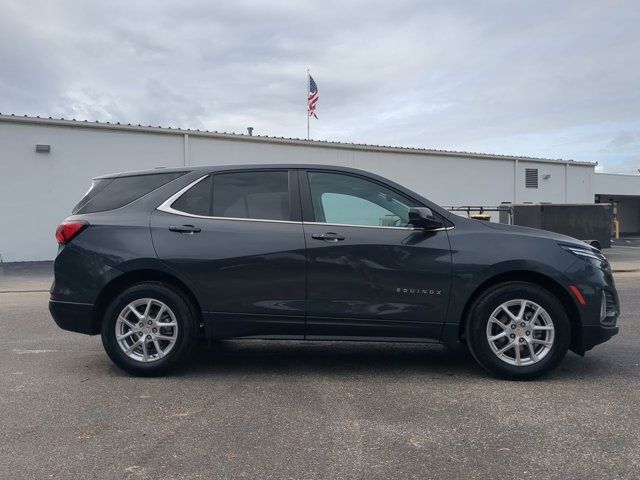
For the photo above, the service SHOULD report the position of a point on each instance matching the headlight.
(592, 256)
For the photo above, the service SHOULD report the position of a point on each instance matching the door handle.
(328, 237)
(190, 229)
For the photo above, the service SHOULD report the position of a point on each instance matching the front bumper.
(593, 335)
(599, 323)
(75, 317)
(599, 309)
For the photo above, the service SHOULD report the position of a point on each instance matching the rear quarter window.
(197, 200)
(111, 193)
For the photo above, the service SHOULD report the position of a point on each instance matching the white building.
(40, 185)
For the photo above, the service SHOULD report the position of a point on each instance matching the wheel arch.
(534, 278)
(132, 277)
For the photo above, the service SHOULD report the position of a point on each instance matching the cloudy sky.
(555, 79)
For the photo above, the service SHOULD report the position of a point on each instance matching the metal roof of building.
(62, 122)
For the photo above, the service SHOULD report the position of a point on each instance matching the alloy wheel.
(146, 330)
(520, 332)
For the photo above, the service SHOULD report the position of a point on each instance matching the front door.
(237, 238)
(369, 273)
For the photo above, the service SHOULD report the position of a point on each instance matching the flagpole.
(308, 80)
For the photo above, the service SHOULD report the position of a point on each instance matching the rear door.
(237, 237)
(369, 273)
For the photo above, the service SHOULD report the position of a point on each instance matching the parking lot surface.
(257, 409)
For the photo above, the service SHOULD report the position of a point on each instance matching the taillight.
(68, 230)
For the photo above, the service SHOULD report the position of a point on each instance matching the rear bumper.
(75, 317)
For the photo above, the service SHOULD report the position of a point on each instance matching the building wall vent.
(531, 177)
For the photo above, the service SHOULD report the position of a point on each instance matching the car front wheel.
(148, 329)
(518, 331)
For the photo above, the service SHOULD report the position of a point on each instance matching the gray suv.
(154, 260)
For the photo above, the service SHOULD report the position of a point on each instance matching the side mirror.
(422, 217)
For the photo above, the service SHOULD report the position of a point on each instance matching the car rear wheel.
(518, 331)
(148, 329)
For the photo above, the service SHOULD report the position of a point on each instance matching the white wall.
(566, 183)
(579, 184)
(550, 190)
(615, 184)
(38, 190)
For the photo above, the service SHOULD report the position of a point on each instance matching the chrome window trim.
(166, 207)
(377, 226)
(235, 219)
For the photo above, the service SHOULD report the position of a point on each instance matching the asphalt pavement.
(258, 409)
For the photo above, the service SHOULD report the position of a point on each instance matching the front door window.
(349, 200)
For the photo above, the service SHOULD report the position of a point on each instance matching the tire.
(173, 331)
(547, 332)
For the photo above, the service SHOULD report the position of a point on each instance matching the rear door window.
(261, 195)
(111, 193)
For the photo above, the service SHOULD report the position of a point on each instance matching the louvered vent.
(531, 177)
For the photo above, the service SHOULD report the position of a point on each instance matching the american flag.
(313, 97)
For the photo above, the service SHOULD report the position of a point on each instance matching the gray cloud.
(547, 78)
(626, 139)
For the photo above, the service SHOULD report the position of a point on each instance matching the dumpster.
(588, 222)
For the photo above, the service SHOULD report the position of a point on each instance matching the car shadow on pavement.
(248, 358)
(256, 357)
(268, 357)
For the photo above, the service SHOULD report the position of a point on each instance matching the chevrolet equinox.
(154, 260)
